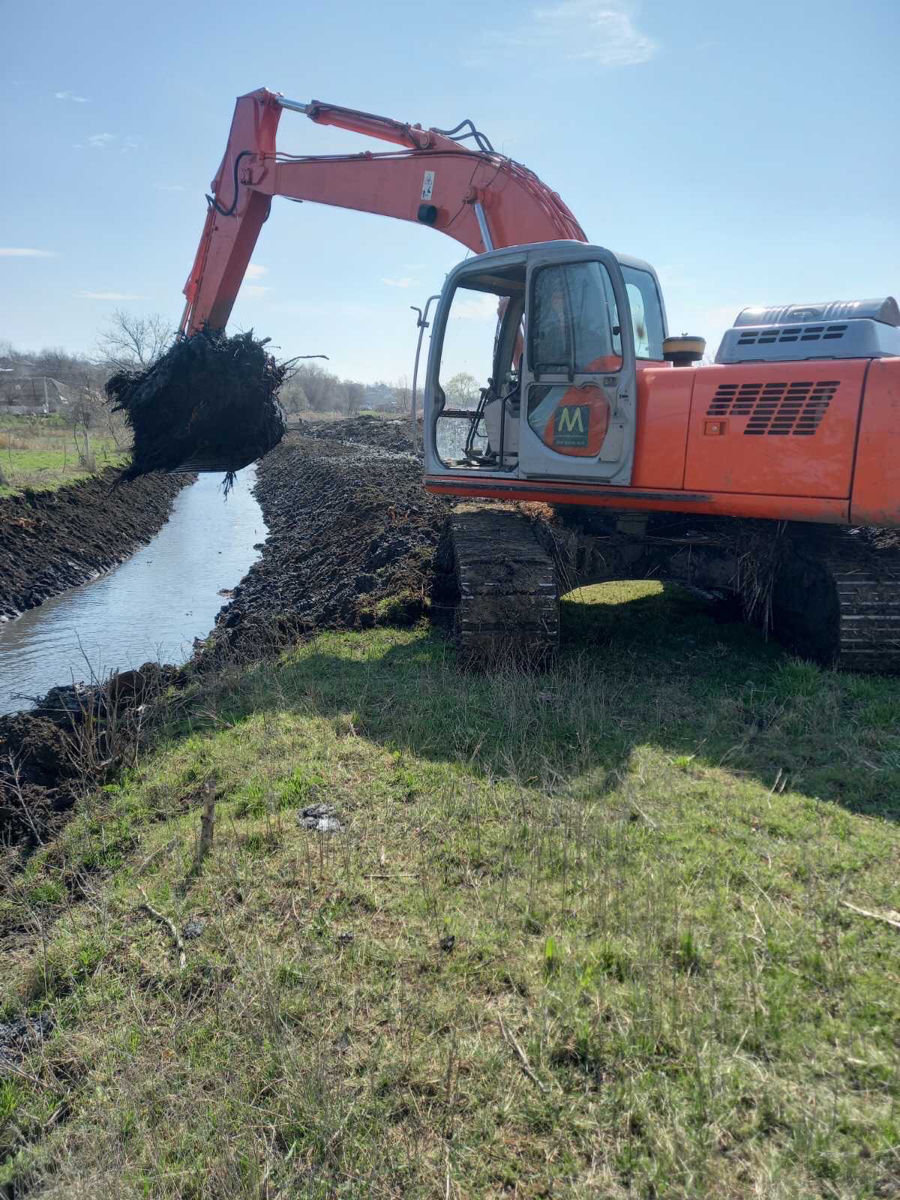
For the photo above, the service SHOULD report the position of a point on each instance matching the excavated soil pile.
(352, 537)
(208, 404)
(50, 541)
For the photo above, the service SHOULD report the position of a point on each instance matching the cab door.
(579, 391)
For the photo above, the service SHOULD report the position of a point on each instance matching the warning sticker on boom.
(570, 425)
(428, 185)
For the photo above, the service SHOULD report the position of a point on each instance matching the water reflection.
(150, 608)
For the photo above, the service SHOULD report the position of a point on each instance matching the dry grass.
(581, 934)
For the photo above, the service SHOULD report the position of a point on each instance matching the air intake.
(780, 409)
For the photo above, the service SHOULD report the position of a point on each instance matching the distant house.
(23, 394)
(380, 397)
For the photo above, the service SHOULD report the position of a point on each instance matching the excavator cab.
(532, 369)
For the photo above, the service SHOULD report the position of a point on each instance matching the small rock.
(447, 942)
(193, 928)
(320, 817)
(21, 1035)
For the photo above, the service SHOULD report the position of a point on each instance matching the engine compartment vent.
(775, 408)
(769, 335)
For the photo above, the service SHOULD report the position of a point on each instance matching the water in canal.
(149, 608)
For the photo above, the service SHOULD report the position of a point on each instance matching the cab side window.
(646, 313)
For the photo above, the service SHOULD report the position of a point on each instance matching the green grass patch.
(44, 454)
(582, 933)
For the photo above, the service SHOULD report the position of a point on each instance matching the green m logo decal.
(570, 425)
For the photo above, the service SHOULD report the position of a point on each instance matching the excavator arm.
(479, 197)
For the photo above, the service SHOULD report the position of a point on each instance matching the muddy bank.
(50, 541)
(352, 537)
(74, 739)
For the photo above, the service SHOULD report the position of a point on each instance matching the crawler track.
(837, 599)
(867, 583)
(504, 581)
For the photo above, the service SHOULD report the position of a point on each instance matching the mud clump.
(352, 540)
(208, 404)
(50, 541)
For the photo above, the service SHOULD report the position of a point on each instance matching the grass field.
(43, 453)
(580, 935)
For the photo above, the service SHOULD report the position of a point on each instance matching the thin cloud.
(25, 252)
(109, 141)
(109, 296)
(256, 271)
(481, 307)
(254, 290)
(405, 282)
(602, 32)
(71, 97)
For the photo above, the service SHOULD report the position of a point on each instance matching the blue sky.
(749, 151)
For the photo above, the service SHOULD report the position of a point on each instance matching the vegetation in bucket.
(208, 404)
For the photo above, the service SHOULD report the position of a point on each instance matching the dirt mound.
(352, 537)
(387, 433)
(207, 404)
(50, 541)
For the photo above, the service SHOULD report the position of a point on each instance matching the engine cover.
(797, 332)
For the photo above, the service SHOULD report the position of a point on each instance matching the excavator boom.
(482, 199)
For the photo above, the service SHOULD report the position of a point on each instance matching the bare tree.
(131, 343)
(356, 395)
(403, 393)
(292, 397)
(323, 391)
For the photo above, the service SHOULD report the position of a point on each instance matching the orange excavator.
(772, 473)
